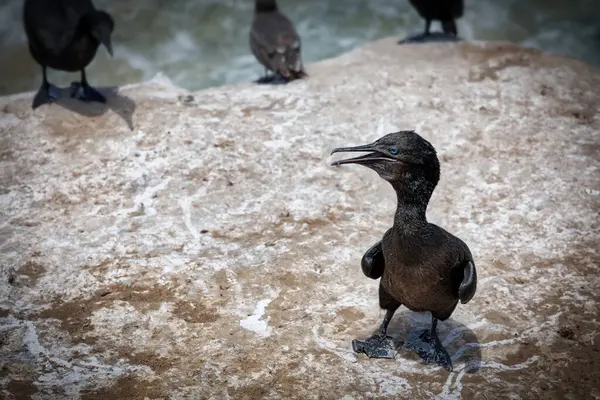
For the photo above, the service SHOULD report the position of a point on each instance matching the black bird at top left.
(65, 35)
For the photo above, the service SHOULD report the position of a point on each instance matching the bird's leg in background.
(84, 92)
(419, 37)
(428, 346)
(47, 93)
(380, 345)
(266, 79)
(449, 35)
(449, 28)
(427, 27)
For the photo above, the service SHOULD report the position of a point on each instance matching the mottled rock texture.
(211, 252)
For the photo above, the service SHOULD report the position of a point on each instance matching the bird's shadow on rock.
(459, 340)
(120, 104)
(434, 37)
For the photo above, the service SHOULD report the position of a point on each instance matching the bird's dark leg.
(420, 37)
(46, 94)
(380, 345)
(427, 27)
(428, 346)
(449, 28)
(449, 35)
(84, 92)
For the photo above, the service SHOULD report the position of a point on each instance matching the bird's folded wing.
(261, 47)
(276, 34)
(52, 26)
(465, 280)
(373, 262)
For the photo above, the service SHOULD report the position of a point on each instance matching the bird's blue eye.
(393, 150)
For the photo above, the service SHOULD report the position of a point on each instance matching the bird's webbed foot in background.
(428, 346)
(430, 38)
(47, 94)
(273, 79)
(86, 93)
(377, 346)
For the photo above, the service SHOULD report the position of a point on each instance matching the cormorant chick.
(275, 43)
(445, 11)
(65, 35)
(420, 265)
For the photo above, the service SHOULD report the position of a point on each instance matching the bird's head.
(404, 159)
(100, 25)
(265, 5)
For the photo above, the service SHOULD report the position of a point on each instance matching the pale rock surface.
(211, 251)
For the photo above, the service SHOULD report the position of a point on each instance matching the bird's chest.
(409, 275)
(74, 57)
(80, 53)
(409, 285)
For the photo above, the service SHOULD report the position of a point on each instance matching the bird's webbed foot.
(273, 79)
(430, 38)
(428, 346)
(377, 346)
(46, 95)
(86, 93)
(380, 345)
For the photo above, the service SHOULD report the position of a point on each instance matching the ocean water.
(204, 43)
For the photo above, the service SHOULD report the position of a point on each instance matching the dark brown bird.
(275, 42)
(421, 266)
(445, 11)
(65, 35)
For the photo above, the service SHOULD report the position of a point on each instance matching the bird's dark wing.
(435, 9)
(260, 51)
(468, 286)
(372, 262)
(457, 8)
(51, 25)
(464, 279)
(79, 7)
(276, 44)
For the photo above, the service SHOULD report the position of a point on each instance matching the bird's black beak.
(371, 158)
(107, 43)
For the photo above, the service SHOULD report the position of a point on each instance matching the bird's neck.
(413, 198)
(265, 5)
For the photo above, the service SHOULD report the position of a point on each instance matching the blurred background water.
(204, 43)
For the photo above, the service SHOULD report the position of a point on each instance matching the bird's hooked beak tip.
(339, 150)
(107, 43)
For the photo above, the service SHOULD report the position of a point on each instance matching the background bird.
(275, 42)
(445, 11)
(65, 35)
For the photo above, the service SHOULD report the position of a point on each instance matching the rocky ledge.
(198, 245)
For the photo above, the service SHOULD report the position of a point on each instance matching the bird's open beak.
(107, 43)
(370, 158)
